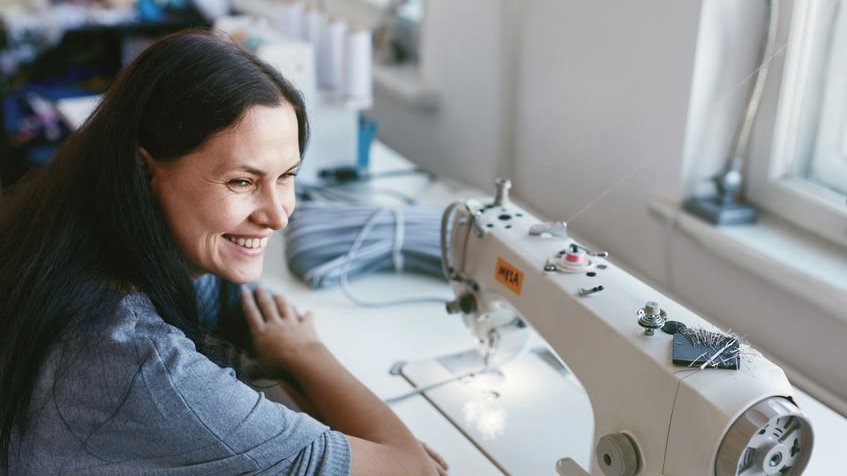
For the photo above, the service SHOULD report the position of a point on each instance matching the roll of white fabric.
(358, 64)
(313, 22)
(292, 19)
(331, 57)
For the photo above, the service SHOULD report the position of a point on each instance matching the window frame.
(774, 145)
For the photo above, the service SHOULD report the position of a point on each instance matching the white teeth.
(250, 243)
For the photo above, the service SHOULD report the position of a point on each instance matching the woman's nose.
(275, 207)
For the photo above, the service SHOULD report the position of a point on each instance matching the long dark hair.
(81, 232)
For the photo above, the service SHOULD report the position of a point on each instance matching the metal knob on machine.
(464, 304)
(617, 455)
(651, 317)
(501, 198)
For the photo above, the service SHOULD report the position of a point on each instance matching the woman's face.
(224, 200)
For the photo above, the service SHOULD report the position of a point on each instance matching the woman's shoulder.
(126, 334)
(136, 304)
(136, 317)
(129, 333)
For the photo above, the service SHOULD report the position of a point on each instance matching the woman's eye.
(239, 183)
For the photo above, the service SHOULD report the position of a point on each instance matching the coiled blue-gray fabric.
(321, 235)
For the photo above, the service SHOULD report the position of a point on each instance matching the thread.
(358, 59)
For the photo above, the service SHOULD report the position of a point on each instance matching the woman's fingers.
(262, 306)
(251, 311)
(284, 308)
(266, 304)
(439, 462)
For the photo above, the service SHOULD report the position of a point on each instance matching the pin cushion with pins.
(702, 348)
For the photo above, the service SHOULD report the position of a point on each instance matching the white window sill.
(785, 256)
(405, 84)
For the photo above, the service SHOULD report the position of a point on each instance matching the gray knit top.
(139, 399)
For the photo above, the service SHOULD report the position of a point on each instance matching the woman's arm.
(286, 342)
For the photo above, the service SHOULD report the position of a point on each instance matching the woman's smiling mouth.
(248, 242)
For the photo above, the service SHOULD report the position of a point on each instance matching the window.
(396, 25)
(827, 163)
(400, 31)
(798, 166)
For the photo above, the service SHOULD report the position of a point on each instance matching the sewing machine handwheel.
(770, 438)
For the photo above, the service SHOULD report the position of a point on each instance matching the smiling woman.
(177, 180)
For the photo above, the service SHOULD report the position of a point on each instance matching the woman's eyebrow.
(250, 169)
(295, 166)
(259, 172)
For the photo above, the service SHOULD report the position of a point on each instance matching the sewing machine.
(617, 335)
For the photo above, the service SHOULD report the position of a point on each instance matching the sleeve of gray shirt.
(149, 403)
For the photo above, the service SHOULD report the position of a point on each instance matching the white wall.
(603, 92)
(599, 108)
(462, 58)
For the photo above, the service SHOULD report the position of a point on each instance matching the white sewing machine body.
(677, 420)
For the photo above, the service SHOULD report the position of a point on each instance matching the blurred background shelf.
(65, 51)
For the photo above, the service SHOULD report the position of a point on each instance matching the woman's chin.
(240, 274)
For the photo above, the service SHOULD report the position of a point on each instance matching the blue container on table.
(367, 134)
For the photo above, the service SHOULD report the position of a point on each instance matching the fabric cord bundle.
(328, 242)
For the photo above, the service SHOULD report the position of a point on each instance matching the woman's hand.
(280, 334)
(287, 344)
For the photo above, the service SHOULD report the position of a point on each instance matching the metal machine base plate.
(523, 417)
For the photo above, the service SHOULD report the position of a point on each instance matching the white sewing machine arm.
(651, 417)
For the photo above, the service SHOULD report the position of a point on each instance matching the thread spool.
(331, 57)
(314, 22)
(292, 19)
(358, 62)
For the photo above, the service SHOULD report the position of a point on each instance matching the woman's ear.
(147, 162)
